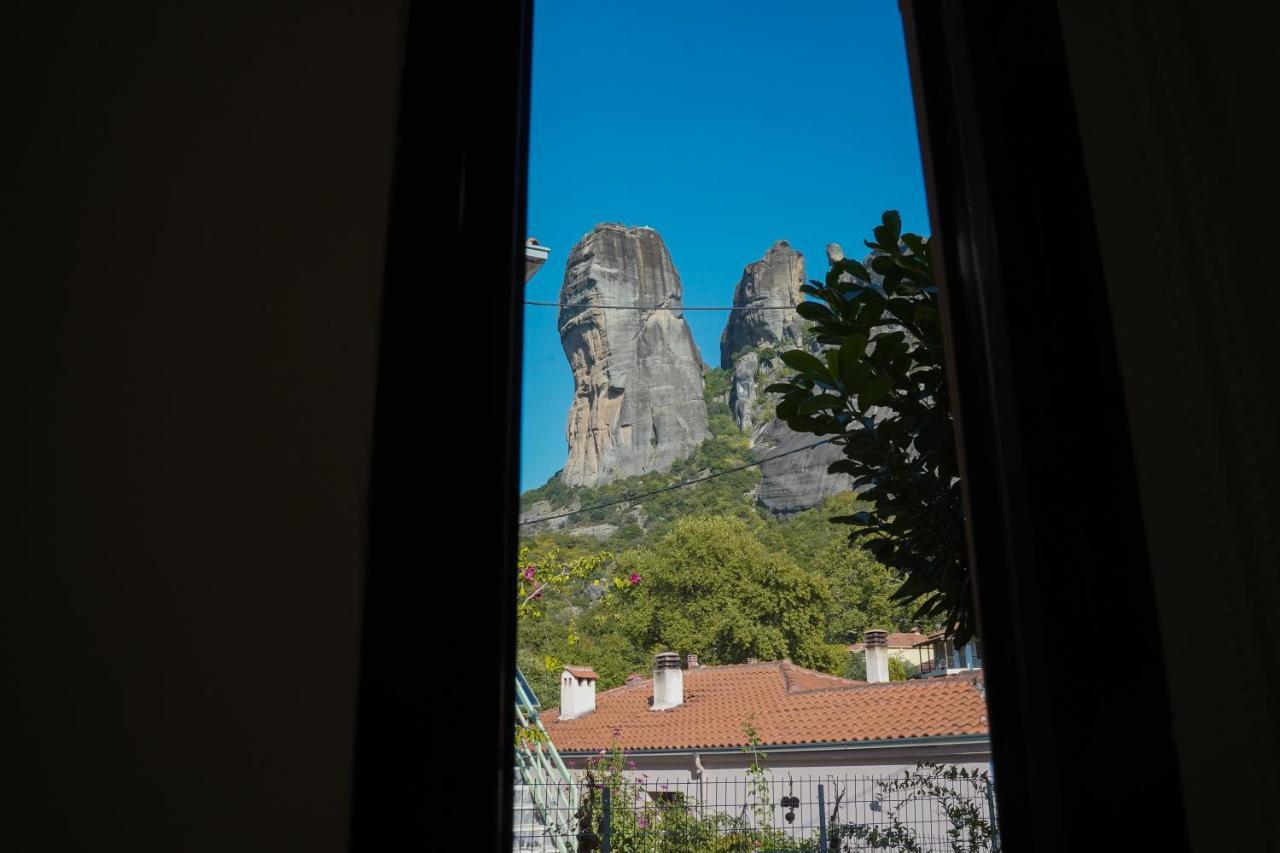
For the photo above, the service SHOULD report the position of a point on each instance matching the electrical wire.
(675, 486)
(664, 307)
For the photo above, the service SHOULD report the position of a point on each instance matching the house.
(903, 645)
(685, 729)
(689, 723)
(535, 255)
(930, 654)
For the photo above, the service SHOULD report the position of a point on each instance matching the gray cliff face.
(743, 389)
(638, 404)
(799, 481)
(775, 279)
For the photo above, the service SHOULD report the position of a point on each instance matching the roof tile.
(785, 703)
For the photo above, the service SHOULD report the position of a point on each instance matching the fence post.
(991, 807)
(607, 819)
(822, 820)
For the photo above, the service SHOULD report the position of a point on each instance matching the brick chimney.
(577, 691)
(876, 641)
(668, 682)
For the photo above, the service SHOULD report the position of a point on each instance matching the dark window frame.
(1009, 206)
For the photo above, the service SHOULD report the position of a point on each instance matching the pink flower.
(642, 821)
(617, 732)
(538, 594)
(635, 579)
(528, 573)
(631, 765)
(602, 752)
(571, 763)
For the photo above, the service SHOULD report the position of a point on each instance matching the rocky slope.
(638, 403)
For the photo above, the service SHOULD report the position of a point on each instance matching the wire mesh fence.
(931, 809)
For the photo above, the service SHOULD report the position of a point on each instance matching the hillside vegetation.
(719, 576)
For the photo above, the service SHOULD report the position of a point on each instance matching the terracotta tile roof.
(787, 704)
(582, 672)
(896, 641)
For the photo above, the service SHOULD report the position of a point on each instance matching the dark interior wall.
(195, 205)
(1172, 101)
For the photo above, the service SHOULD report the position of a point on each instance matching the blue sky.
(725, 126)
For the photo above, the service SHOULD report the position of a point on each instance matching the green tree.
(862, 593)
(711, 588)
(880, 387)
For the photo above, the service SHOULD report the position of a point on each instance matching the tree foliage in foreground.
(880, 386)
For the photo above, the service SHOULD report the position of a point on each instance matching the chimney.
(753, 660)
(577, 692)
(876, 641)
(693, 662)
(633, 679)
(668, 681)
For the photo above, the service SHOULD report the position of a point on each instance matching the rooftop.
(903, 640)
(785, 703)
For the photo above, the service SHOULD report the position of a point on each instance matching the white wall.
(726, 785)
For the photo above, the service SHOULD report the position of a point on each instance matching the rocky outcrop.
(773, 280)
(798, 481)
(638, 403)
(743, 389)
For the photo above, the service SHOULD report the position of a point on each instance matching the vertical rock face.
(800, 481)
(637, 374)
(775, 279)
(742, 392)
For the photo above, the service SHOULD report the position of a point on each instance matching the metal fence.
(932, 809)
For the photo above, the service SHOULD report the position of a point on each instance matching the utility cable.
(675, 486)
(664, 307)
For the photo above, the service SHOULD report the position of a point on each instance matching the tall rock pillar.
(637, 404)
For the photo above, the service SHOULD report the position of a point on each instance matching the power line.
(665, 307)
(675, 486)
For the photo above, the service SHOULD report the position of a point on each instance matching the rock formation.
(798, 481)
(775, 279)
(638, 404)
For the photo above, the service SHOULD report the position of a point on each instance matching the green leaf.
(820, 402)
(781, 388)
(893, 222)
(854, 269)
(798, 359)
(833, 362)
(883, 264)
(874, 390)
(787, 406)
(814, 311)
(855, 344)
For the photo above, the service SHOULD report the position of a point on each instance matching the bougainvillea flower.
(528, 573)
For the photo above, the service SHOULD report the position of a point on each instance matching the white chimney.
(668, 681)
(876, 642)
(577, 691)
(693, 661)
